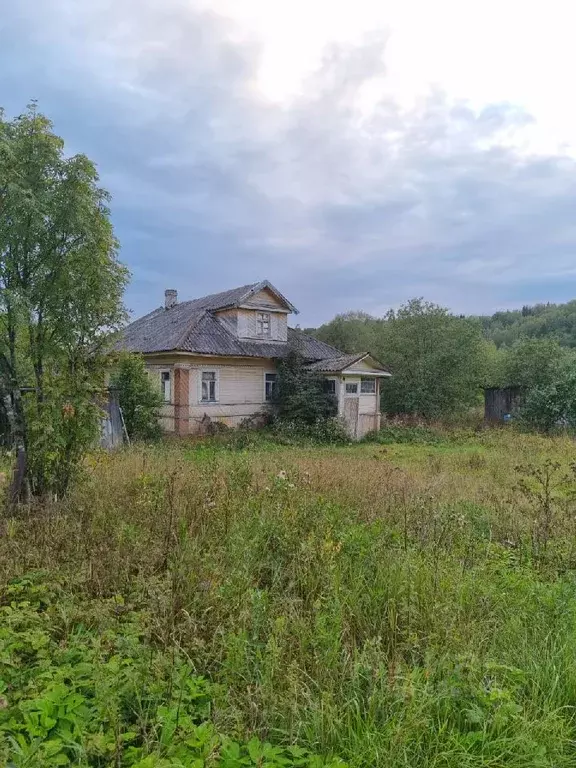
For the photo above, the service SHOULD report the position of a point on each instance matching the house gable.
(350, 365)
(250, 325)
(367, 365)
(267, 293)
(266, 299)
(261, 314)
(246, 323)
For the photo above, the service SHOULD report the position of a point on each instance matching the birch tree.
(61, 288)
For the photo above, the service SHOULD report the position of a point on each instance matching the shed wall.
(501, 401)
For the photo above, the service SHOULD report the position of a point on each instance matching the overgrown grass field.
(406, 603)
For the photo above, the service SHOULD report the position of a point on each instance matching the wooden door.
(351, 415)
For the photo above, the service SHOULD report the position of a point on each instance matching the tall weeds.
(353, 601)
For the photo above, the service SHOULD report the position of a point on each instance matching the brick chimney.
(170, 298)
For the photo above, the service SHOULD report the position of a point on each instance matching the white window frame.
(269, 373)
(351, 384)
(368, 380)
(264, 319)
(216, 373)
(161, 373)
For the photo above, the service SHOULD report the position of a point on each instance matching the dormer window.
(263, 323)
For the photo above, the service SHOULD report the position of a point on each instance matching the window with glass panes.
(329, 386)
(368, 386)
(263, 321)
(270, 386)
(208, 386)
(165, 386)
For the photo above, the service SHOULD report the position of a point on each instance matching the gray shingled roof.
(191, 326)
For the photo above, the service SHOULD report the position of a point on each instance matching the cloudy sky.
(356, 154)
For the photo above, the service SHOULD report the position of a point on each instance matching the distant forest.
(552, 321)
(441, 361)
(540, 321)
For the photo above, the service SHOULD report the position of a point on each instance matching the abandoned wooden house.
(215, 358)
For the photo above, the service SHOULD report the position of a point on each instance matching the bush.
(438, 361)
(300, 396)
(105, 697)
(551, 404)
(324, 431)
(531, 363)
(139, 399)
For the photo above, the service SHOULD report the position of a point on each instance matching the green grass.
(407, 604)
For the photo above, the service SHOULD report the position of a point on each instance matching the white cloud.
(358, 172)
(485, 51)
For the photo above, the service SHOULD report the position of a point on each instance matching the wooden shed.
(500, 402)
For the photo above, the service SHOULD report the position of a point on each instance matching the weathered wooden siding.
(500, 402)
(167, 409)
(244, 323)
(367, 422)
(111, 424)
(265, 298)
(368, 407)
(241, 393)
(237, 384)
(187, 359)
(154, 371)
(240, 388)
(248, 325)
(368, 404)
(167, 418)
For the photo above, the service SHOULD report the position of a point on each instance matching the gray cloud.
(214, 186)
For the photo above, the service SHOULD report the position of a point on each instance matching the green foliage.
(139, 399)
(438, 361)
(80, 686)
(60, 433)
(300, 397)
(531, 363)
(546, 373)
(60, 295)
(419, 434)
(553, 403)
(352, 332)
(541, 321)
(401, 605)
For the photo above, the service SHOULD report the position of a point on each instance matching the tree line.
(539, 321)
(441, 361)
